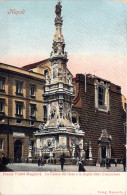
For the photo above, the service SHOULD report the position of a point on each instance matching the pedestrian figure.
(102, 163)
(124, 163)
(81, 167)
(115, 162)
(27, 160)
(3, 162)
(42, 161)
(55, 161)
(62, 160)
(17, 160)
(77, 160)
(11, 160)
(39, 162)
(107, 162)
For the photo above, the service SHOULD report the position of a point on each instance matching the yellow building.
(21, 110)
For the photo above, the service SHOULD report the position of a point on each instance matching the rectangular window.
(45, 112)
(101, 96)
(19, 108)
(125, 106)
(1, 106)
(19, 87)
(32, 90)
(2, 84)
(31, 123)
(1, 144)
(18, 121)
(32, 110)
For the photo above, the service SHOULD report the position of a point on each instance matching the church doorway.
(17, 150)
(104, 145)
(103, 151)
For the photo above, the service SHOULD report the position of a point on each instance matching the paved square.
(57, 168)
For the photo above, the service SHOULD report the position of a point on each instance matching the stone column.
(40, 152)
(90, 151)
(51, 153)
(82, 152)
(30, 152)
(73, 151)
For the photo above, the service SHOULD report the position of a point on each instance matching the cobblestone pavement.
(29, 167)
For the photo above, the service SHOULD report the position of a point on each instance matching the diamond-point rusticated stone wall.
(92, 121)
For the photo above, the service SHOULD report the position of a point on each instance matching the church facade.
(98, 108)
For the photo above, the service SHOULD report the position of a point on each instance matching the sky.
(95, 33)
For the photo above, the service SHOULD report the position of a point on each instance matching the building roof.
(34, 65)
(20, 71)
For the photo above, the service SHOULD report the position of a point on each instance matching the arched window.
(46, 72)
(75, 117)
(74, 120)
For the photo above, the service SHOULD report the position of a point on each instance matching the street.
(57, 168)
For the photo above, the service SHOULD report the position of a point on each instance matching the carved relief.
(105, 136)
(55, 71)
(48, 79)
(58, 20)
(69, 79)
(52, 113)
(53, 110)
(76, 126)
(55, 62)
(61, 110)
(55, 47)
(41, 126)
(68, 115)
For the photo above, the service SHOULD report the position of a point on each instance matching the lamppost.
(2, 116)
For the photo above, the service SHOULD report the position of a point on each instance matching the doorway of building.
(103, 151)
(87, 153)
(17, 151)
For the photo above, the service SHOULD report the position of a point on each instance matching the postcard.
(63, 97)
